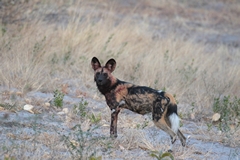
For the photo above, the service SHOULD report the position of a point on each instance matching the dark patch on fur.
(172, 108)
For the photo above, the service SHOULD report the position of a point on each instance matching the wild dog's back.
(140, 99)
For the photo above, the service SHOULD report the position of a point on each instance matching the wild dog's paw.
(113, 136)
(185, 141)
(173, 139)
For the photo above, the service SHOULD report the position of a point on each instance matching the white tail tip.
(174, 120)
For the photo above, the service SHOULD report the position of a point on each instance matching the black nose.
(99, 80)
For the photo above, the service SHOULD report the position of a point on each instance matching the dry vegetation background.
(188, 48)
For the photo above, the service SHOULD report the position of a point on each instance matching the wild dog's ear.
(95, 63)
(110, 65)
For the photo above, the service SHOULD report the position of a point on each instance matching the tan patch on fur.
(172, 99)
(163, 124)
(121, 91)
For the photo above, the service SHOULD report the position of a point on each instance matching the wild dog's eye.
(105, 74)
(97, 73)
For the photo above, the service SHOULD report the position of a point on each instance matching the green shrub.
(82, 144)
(80, 109)
(229, 109)
(161, 156)
(58, 99)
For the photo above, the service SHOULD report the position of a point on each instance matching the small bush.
(161, 156)
(80, 109)
(82, 144)
(58, 99)
(229, 109)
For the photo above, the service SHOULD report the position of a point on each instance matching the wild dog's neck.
(110, 85)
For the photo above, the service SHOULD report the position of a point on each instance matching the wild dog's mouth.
(103, 82)
(100, 83)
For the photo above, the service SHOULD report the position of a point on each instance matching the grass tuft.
(229, 109)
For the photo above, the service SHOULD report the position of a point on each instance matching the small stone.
(28, 108)
(61, 113)
(65, 110)
(121, 147)
(75, 143)
(47, 104)
(192, 115)
(216, 117)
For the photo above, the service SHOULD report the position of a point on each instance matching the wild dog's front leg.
(114, 118)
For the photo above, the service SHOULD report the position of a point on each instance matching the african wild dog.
(139, 99)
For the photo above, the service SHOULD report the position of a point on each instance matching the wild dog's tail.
(172, 112)
(172, 117)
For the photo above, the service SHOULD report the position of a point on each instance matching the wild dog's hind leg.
(159, 118)
(161, 123)
(173, 121)
(182, 138)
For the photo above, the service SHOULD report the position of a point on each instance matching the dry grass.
(39, 57)
(36, 57)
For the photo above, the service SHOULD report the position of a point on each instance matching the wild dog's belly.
(138, 105)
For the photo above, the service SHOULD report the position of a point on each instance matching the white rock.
(61, 113)
(216, 117)
(65, 110)
(28, 108)
(121, 147)
(47, 104)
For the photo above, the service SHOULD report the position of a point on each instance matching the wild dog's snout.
(99, 79)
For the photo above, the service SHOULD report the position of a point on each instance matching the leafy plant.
(82, 144)
(95, 158)
(8, 106)
(229, 109)
(80, 109)
(3, 30)
(143, 125)
(58, 99)
(94, 119)
(209, 125)
(161, 156)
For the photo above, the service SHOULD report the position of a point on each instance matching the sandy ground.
(39, 136)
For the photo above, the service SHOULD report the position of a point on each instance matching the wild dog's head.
(103, 75)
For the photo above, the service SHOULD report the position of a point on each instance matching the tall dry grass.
(36, 56)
